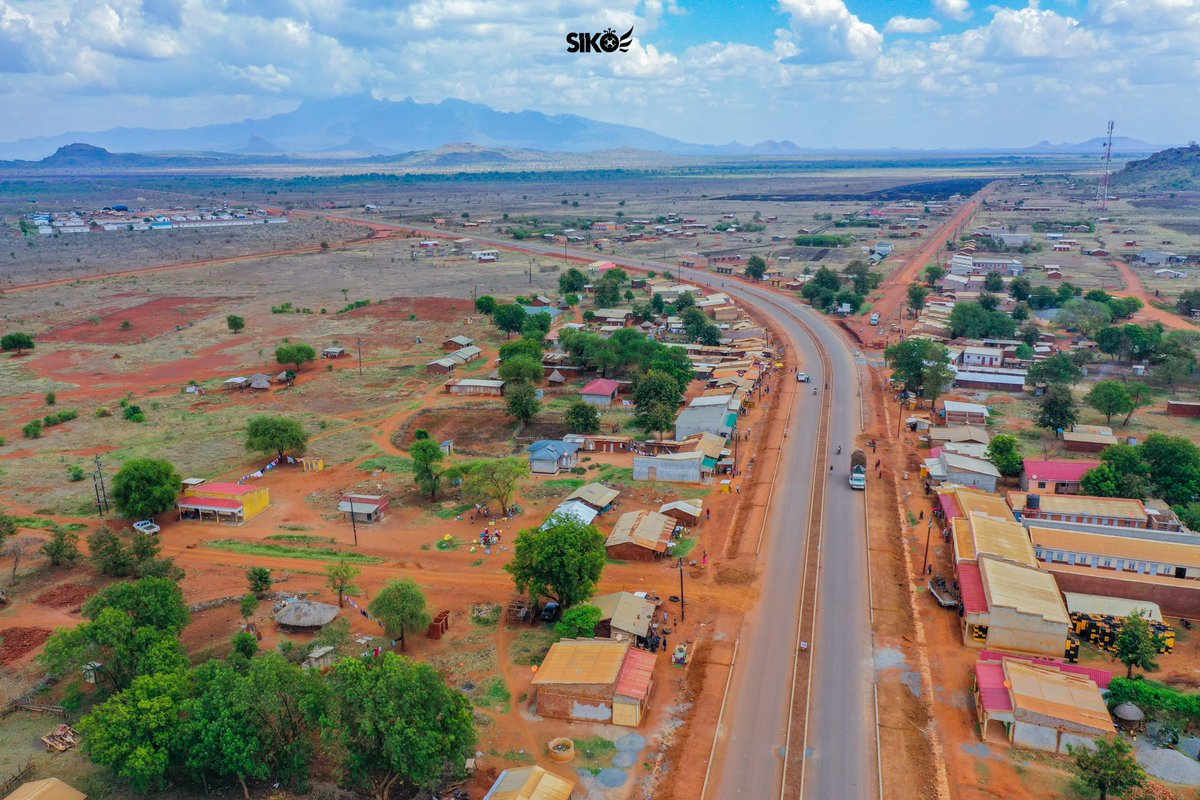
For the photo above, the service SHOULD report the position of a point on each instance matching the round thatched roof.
(1129, 713)
(306, 614)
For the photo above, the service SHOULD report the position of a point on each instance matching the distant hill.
(1173, 169)
(1121, 144)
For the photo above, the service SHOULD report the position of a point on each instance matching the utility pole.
(682, 601)
(359, 340)
(98, 485)
(1107, 168)
(353, 522)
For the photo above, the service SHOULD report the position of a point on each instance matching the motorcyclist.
(839, 450)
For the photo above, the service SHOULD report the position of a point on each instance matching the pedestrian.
(665, 616)
(922, 515)
(708, 513)
(737, 489)
(831, 467)
(877, 461)
(704, 559)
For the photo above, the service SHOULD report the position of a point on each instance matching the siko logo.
(607, 42)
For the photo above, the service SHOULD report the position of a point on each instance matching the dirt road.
(1134, 288)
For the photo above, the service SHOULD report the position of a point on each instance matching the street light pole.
(928, 534)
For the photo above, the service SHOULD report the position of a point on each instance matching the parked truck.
(858, 470)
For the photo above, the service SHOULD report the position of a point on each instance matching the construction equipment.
(858, 470)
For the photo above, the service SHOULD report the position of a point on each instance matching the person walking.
(708, 513)
(704, 559)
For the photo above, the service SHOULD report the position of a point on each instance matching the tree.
(973, 321)
(756, 268)
(1058, 409)
(1174, 464)
(51, 398)
(994, 282)
(109, 553)
(655, 417)
(861, 277)
(392, 722)
(1188, 302)
(607, 293)
(536, 326)
(1085, 316)
(248, 606)
(525, 346)
(8, 527)
(141, 733)
(521, 369)
(509, 317)
(710, 336)
(259, 579)
(1020, 288)
(1058, 368)
(1137, 644)
(495, 479)
(1110, 768)
(16, 549)
(522, 403)
(62, 548)
(934, 273)
(1109, 398)
(235, 323)
(1031, 333)
(1020, 312)
(400, 606)
(485, 304)
(428, 471)
(16, 342)
(919, 363)
(1005, 453)
(578, 622)
(1025, 352)
(339, 577)
(916, 296)
(988, 301)
(144, 487)
(562, 560)
(295, 354)
(582, 417)
(655, 386)
(277, 435)
(1139, 396)
(572, 281)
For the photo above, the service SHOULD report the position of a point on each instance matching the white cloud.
(957, 10)
(911, 25)
(825, 30)
(1030, 33)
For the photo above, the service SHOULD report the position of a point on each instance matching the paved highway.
(840, 732)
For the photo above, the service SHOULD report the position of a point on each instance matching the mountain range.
(359, 126)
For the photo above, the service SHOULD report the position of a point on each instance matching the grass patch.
(33, 522)
(493, 693)
(615, 474)
(287, 526)
(301, 538)
(453, 511)
(397, 464)
(286, 551)
(449, 544)
(477, 562)
(530, 647)
(595, 749)
(486, 615)
(616, 562)
(565, 483)
(685, 546)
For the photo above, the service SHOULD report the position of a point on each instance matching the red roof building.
(1055, 477)
(600, 392)
(970, 584)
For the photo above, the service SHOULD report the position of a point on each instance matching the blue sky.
(821, 73)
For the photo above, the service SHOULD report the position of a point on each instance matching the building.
(573, 508)
(465, 355)
(1084, 512)
(687, 512)
(224, 502)
(623, 615)
(596, 495)
(364, 507)
(1040, 704)
(549, 456)
(978, 535)
(715, 418)
(640, 536)
(958, 434)
(530, 783)
(594, 680)
(1056, 477)
(1002, 380)
(333, 352)
(441, 366)
(955, 468)
(1083, 442)
(474, 386)
(555, 313)
(957, 413)
(670, 467)
(1155, 257)
(46, 789)
(600, 392)
(457, 343)
(1182, 408)
(972, 356)
(1012, 607)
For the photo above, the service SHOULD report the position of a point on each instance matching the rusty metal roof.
(591, 661)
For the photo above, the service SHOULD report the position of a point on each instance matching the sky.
(820, 73)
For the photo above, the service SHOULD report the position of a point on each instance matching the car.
(802, 377)
(550, 612)
(146, 526)
(875, 318)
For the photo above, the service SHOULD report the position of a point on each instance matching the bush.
(103, 412)
(260, 580)
(75, 473)
(51, 398)
(59, 418)
(33, 430)
(133, 413)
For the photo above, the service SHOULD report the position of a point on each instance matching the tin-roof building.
(475, 386)
(623, 615)
(640, 536)
(600, 392)
(594, 680)
(364, 507)
(530, 783)
(46, 789)
(596, 495)
(232, 503)
(1012, 607)
(1054, 476)
(979, 535)
(550, 456)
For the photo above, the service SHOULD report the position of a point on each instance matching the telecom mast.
(1107, 168)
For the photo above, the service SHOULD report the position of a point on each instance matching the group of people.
(488, 537)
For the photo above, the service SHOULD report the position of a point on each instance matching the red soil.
(429, 309)
(146, 320)
(16, 642)
(66, 595)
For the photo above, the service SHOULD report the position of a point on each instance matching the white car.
(802, 377)
(146, 526)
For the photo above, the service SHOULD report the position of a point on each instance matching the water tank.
(1033, 501)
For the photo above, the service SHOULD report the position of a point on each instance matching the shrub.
(133, 413)
(51, 398)
(59, 418)
(75, 473)
(33, 429)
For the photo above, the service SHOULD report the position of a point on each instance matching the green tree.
(1110, 769)
(1058, 410)
(144, 487)
(1025, 352)
(934, 273)
(109, 553)
(994, 282)
(1188, 302)
(525, 346)
(521, 368)
(1057, 369)
(1031, 333)
(141, 732)
(62, 548)
(919, 363)
(485, 304)
(235, 323)
(1137, 644)
(495, 479)
(248, 606)
(582, 417)
(1189, 515)
(8, 527)
(1020, 288)
(401, 607)
(562, 560)
(861, 277)
(521, 402)
(295, 354)
(1139, 396)
(51, 398)
(1174, 464)
(756, 268)
(394, 724)
(243, 645)
(428, 471)
(655, 386)
(916, 296)
(655, 417)
(1085, 316)
(607, 293)
(988, 301)
(1109, 398)
(1005, 453)
(339, 577)
(578, 622)
(16, 342)
(973, 321)
(259, 579)
(572, 281)
(536, 326)
(276, 435)
(509, 317)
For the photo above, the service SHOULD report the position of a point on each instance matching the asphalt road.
(840, 761)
